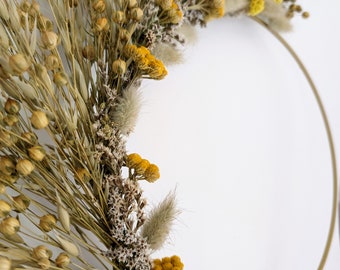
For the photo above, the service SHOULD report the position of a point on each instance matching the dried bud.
(89, 52)
(25, 6)
(5, 208)
(2, 188)
(37, 153)
(119, 67)
(5, 263)
(151, 174)
(101, 24)
(99, 6)
(63, 260)
(18, 64)
(41, 252)
(34, 9)
(124, 35)
(82, 175)
(39, 120)
(21, 203)
(132, 3)
(118, 17)
(44, 24)
(44, 263)
(11, 120)
(7, 139)
(47, 222)
(60, 79)
(136, 14)
(52, 62)
(29, 138)
(7, 165)
(50, 40)
(12, 106)
(24, 167)
(9, 226)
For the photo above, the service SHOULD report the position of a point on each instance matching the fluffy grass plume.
(158, 225)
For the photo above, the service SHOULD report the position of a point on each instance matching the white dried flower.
(127, 110)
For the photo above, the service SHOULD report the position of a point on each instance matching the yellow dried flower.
(151, 174)
(24, 167)
(256, 7)
(5, 208)
(41, 252)
(5, 263)
(12, 106)
(119, 67)
(63, 260)
(167, 263)
(99, 6)
(7, 165)
(18, 64)
(39, 120)
(50, 40)
(21, 203)
(47, 222)
(9, 226)
(141, 167)
(157, 70)
(132, 160)
(101, 24)
(37, 153)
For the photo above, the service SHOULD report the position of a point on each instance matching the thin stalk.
(329, 138)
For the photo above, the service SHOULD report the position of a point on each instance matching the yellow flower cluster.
(171, 12)
(167, 263)
(146, 62)
(143, 169)
(257, 6)
(216, 8)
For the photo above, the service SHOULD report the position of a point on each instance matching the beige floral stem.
(329, 137)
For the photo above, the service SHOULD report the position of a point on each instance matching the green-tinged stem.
(329, 137)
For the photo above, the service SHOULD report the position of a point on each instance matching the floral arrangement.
(70, 73)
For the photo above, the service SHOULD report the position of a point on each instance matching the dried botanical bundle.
(69, 75)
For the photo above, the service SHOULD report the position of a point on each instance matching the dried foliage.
(70, 72)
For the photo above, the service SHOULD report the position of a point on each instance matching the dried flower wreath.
(70, 73)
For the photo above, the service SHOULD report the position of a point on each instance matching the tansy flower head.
(167, 263)
(132, 160)
(151, 174)
(256, 7)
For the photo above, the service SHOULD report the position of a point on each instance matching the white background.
(237, 132)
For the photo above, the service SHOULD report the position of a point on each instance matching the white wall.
(237, 131)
